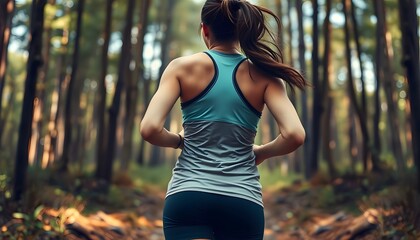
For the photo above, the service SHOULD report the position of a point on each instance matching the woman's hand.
(181, 134)
(258, 157)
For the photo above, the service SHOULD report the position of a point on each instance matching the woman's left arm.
(152, 125)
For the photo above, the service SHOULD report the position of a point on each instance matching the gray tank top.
(219, 128)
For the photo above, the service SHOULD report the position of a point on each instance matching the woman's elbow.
(300, 137)
(148, 130)
(297, 137)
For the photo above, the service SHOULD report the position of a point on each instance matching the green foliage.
(273, 179)
(34, 225)
(151, 177)
(324, 197)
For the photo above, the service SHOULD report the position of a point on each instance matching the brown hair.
(231, 20)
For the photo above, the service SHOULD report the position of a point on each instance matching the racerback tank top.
(219, 131)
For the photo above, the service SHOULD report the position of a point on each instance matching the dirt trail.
(287, 218)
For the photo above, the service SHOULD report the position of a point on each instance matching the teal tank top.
(219, 131)
(222, 100)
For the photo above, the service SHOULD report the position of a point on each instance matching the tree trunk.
(317, 94)
(69, 112)
(304, 110)
(359, 56)
(352, 92)
(54, 150)
(132, 95)
(115, 106)
(410, 43)
(34, 63)
(101, 95)
(7, 8)
(297, 155)
(384, 52)
(156, 158)
(35, 146)
(325, 95)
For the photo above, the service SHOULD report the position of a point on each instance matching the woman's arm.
(291, 132)
(152, 125)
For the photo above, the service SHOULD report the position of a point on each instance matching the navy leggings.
(192, 214)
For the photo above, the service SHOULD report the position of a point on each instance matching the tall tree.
(114, 110)
(51, 151)
(165, 44)
(101, 95)
(352, 92)
(327, 101)
(39, 104)
(386, 74)
(69, 117)
(7, 8)
(133, 89)
(410, 44)
(34, 63)
(143, 83)
(297, 155)
(317, 109)
(304, 98)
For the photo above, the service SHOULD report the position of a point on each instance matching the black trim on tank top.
(238, 90)
(207, 89)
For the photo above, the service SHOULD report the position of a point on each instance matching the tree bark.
(132, 96)
(156, 158)
(326, 98)
(7, 8)
(352, 92)
(101, 95)
(35, 146)
(69, 117)
(115, 106)
(318, 109)
(297, 155)
(386, 74)
(34, 63)
(410, 43)
(304, 98)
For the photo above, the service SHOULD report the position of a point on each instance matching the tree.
(386, 73)
(318, 109)
(132, 88)
(304, 110)
(114, 110)
(33, 65)
(165, 58)
(70, 98)
(6, 13)
(101, 95)
(352, 92)
(327, 101)
(410, 44)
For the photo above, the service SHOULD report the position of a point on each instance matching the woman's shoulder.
(195, 58)
(191, 62)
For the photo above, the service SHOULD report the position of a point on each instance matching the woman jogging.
(215, 192)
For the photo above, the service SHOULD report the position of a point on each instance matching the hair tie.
(236, 4)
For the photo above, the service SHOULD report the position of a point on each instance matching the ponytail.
(240, 20)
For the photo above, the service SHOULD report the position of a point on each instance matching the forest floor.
(347, 208)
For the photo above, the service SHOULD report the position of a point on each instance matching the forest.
(76, 77)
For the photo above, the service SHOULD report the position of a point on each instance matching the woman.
(215, 192)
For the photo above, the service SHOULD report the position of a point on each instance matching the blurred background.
(76, 77)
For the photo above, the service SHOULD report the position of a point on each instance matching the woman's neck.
(226, 47)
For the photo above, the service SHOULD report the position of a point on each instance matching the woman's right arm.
(291, 132)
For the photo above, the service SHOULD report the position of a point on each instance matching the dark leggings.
(191, 215)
